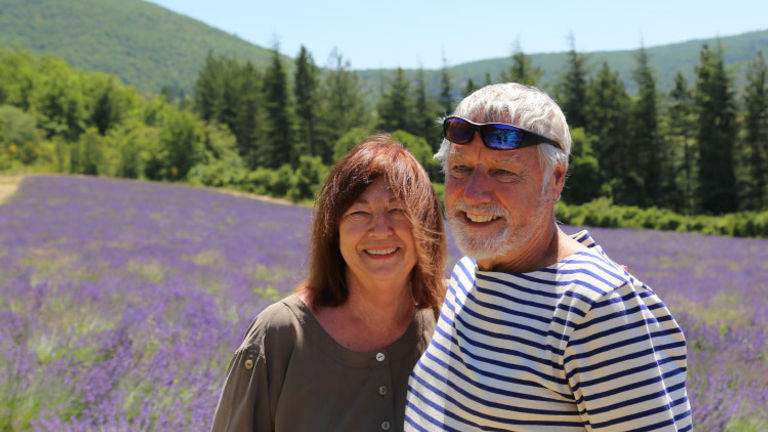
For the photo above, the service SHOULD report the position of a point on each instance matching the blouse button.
(249, 364)
(380, 357)
(385, 425)
(383, 390)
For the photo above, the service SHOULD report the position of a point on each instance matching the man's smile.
(481, 218)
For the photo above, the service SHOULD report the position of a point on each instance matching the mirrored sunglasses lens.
(458, 131)
(500, 137)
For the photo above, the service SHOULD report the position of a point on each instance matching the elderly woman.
(336, 355)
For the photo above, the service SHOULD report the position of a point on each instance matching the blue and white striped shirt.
(580, 345)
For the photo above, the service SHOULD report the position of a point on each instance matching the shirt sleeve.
(626, 364)
(255, 375)
(244, 401)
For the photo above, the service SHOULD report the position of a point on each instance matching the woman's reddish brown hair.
(379, 156)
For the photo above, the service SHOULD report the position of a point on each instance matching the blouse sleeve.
(244, 401)
(256, 373)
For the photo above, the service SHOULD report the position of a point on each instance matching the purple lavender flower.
(121, 302)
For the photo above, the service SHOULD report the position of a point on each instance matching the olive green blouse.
(289, 375)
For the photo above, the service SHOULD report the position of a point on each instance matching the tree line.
(702, 147)
(699, 148)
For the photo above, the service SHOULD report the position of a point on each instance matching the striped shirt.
(580, 345)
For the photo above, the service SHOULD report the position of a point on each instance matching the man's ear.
(558, 180)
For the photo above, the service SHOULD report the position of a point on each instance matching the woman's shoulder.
(280, 320)
(425, 320)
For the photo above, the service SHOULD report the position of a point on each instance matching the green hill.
(666, 61)
(151, 47)
(144, 44)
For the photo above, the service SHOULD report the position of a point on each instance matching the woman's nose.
(381, 225)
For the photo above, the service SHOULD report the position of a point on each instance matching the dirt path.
(8, 185)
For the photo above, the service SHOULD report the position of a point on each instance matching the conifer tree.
(249, 121)
(229, 93)
(207, 95)
(344, 108)
(682, 131)
(395, 109)
(425, 125)
(446, 100)
(305, 90)
(106, 111)
(521, 70)
(756, 125)
(572, 89)
(644, 135)
(607, 114)
(470, 87)
(716, 132)
(277, 145)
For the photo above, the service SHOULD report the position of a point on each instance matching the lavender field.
(121, 303)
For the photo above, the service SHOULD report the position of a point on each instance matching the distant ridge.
(144, 44)
(151, 47)
(666, 60)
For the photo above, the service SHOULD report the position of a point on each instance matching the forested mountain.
(665, 60)
(144, 44)
(151, 47)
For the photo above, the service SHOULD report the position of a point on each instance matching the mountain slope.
(150, 47)
(666, 60)
(144, 44)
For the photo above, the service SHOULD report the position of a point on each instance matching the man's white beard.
(480, 244)
(491, 243)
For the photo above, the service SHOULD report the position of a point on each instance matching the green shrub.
(602, 213)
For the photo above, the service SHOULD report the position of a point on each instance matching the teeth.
(480, 218)
(381, 251)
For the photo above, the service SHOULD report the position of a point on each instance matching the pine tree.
(229, 93)
(716, 134)
(682, 126)
(756, 125)
(106, 111)
(395, 109)
(521, 70)
(278, 146)
(644, 136)
(446, 100)
(343, 98)
(208, 88)
(572, 89)
(305, 90)
(607, 114)
(425, 125)
(470, 87)
(249, 121)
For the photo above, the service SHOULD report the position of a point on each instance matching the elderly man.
(539, 331)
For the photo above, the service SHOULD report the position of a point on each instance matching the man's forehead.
(501, 157)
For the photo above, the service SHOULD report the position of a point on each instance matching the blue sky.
(397, 33)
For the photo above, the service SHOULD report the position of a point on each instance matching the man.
(539, 331)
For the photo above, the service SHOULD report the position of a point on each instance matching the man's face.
(497, 204)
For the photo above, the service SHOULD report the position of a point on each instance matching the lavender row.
(121, 302)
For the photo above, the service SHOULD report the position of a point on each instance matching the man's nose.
(477, 189)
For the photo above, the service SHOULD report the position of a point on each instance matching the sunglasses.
(496, 136)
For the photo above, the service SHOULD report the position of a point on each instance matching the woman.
(336, 355)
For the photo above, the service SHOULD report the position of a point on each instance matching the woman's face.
(376, 239)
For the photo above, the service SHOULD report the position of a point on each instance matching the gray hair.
(522, 106)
